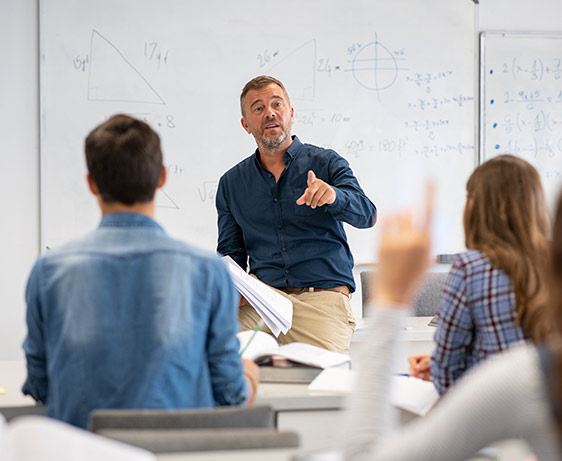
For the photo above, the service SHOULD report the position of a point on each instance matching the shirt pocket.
(303, 210)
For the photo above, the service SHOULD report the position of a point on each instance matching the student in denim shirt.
(128, 317)
(283, 208)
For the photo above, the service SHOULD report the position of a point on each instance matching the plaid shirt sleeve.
(454, 333)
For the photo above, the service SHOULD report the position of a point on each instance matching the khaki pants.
(322, 318)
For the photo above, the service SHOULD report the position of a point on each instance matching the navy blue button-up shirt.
(289, 244)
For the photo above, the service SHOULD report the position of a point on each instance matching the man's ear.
(163, 177)
(92, 185)
(245, 125)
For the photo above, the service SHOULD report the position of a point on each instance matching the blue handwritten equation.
(435, 103)
(536, 121)
(533, 69)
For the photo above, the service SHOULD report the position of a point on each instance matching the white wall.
(19, 164)
(19, 135)
(520, 15)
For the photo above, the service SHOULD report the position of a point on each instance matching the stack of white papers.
(275, 310)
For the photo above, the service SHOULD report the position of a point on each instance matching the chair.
(426, 297)
(173, 431)
(10, 413)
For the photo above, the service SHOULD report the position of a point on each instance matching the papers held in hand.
(275, 310)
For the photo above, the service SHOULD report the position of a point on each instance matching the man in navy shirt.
(283, 209)
(127, 317)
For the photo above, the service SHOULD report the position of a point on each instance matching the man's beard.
(274, 143)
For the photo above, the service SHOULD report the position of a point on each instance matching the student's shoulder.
(189, 250)
(65, 250)
(471, 259)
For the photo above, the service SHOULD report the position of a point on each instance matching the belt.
(344, 289)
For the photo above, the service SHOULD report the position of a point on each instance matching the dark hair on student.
(260, 82)
(506, 218)
(124, 159)
(555, 305)
(556, 297)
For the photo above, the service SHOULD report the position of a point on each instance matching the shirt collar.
(294, 148)
(129, 220)
(290, 154)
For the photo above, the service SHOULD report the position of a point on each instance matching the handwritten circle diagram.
(374, 67)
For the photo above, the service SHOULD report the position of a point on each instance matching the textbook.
(264, 350)
(32, 438)
(275, 310)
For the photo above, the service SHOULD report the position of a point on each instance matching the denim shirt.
(129, 318)
(288, 244)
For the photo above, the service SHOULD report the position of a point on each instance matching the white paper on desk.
(334, 380)
(31, 438)
(412, 394)
(275, 310)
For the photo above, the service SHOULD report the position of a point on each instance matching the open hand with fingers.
(317, 193)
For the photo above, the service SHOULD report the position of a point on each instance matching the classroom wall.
(19, 135)
(19, 164)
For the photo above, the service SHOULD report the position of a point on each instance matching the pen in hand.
(258, 328)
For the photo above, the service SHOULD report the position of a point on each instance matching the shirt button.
(283, 249)
(275, 200)
(286, 271)
(279, 226)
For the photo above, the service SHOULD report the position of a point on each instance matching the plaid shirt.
(476, 318)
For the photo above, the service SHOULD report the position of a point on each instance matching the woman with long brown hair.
(516, 394)
(494, 293)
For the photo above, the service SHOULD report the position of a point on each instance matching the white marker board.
(521, 102)
(387, 84)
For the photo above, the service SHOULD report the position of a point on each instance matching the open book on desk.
(275, 310)
(293, 362)
(31, 438)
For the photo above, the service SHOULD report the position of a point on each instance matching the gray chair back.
(258, 416)
(192, 440)
(426, 298)
(176, 431)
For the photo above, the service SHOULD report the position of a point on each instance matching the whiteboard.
(388, 84)
(521, 102)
